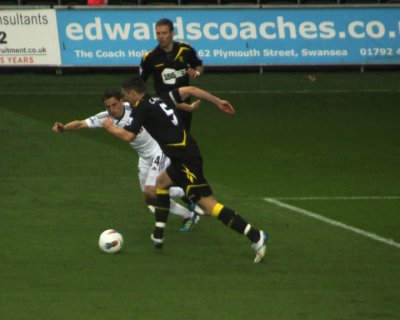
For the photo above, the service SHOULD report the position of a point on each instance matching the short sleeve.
(97, 120)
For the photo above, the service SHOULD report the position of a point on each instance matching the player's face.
(164, 37)
(114, 107)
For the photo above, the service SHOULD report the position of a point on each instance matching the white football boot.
(260, 247)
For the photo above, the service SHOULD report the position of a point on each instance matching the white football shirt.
(144, 144)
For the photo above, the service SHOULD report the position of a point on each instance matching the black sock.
(161, 213)
(233, 220)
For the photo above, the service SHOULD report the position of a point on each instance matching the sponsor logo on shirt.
(169, 75)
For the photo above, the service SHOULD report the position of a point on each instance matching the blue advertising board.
(229, 37)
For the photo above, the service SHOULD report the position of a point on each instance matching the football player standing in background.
(171, 64)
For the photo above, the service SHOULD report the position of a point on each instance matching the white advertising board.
(29, 38)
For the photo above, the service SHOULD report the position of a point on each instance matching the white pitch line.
(341, 198)
(335, 223)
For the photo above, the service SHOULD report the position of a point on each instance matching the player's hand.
(58, 127)
(225, 106)
(195, 105)
(108, 123)
(192, 73)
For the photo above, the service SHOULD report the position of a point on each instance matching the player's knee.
(207, 210)
(207, 204)
(149, 195)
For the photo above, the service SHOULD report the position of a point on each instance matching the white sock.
(176, 192)
(179, 210)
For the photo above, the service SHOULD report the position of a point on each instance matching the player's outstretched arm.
(223, 105)
(70, 126)
(121, 133)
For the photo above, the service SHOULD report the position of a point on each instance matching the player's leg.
(194, 211)
(149, 194)
(229, 217)
(175, 207)
(233, 220)
(163, 183)
(177, 192)
(190, 176)
(159, 162)
(194, 217)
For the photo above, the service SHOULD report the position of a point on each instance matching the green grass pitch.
(330, 147)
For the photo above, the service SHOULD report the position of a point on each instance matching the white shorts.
(150, 169)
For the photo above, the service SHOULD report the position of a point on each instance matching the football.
(111, 241)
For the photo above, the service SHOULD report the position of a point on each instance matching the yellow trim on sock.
(161, 208)
(162, 191)
(216, 210)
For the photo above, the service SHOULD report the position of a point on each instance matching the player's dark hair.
(134, 83)
(165, 22)
(113, 93)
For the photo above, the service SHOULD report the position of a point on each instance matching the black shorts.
(187, 173)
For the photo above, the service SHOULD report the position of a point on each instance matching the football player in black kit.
(171, 64)
(158, 116)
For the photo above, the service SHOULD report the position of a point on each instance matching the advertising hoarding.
(223, 37)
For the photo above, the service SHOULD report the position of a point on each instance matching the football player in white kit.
(151, 159)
